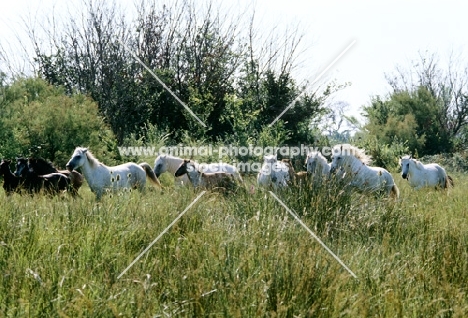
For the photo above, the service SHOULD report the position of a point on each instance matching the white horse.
(354, 163)
(316, 163)
(424, 175)
(273, 173)
(101, 177)
(164, 163)
(170, 163)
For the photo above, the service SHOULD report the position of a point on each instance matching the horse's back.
(127, 174)
(221, 167)
(432, 174)
(380, 179)
(129, 167)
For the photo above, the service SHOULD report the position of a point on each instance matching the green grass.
(240, 255)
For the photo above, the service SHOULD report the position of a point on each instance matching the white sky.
(387, 33)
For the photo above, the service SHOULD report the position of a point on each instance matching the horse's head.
(269, 159)
(280, 174)
(41, 166)
(188, 167)
(290, 167)
(21, 166)
(347, 156)
(311, 162)
(183, 168)
(338, 158)
(160, 165)
(5, 166)
(405, 166)
(78, 159)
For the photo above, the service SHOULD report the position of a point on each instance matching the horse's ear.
(85, 150)
(411, 156)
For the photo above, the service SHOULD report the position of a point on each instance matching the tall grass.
(236, 255)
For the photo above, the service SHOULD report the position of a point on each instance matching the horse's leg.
(98, 195)
(141, 185)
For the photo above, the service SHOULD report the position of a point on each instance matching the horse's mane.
(93, 161)
(419, 165)
(269, 158)
(347, 149)
(44, 162)
(318, 155)
(167, 157)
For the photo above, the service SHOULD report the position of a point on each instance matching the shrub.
(39, 119)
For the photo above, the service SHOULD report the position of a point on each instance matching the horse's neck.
(173, 164)
(409, 172)
(419, 165)
(357, 166)
(89, 171)
(194, 177)
(323, 162)
(44, 169)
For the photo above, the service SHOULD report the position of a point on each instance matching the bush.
(39, 119)
(383, 155)
(456, 162)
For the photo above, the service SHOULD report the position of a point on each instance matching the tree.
(427, 108)
(200, 52)
(448, 87)
(411, 117)
(40, 119)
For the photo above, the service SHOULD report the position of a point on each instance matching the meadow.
(238, 255)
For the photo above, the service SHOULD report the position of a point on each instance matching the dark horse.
(51, 183)
(42, 167)
(11, 183)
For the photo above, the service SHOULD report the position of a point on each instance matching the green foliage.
(276, 134)
(412, 117)
(242, 121)
(383, 155)
(452, 162)
(205, 64)
(39, 119)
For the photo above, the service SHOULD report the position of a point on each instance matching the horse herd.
(348, 162)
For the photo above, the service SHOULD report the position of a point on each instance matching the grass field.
(236, 256)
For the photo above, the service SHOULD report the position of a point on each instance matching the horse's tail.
(449, 182)
(150, 173)
(395, 192)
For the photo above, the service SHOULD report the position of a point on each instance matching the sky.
(385, 34)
